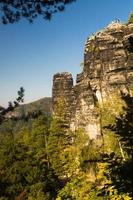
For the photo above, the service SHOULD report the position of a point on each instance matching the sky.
(30, 54)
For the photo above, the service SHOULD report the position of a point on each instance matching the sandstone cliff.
(108, 68)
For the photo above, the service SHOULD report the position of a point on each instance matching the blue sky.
(30, 54)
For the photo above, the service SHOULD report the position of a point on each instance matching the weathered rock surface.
(108, 66)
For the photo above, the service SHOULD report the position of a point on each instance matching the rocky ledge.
(108, 67)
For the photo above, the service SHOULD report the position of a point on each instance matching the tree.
(24, 169)
(14, 10)
(64, 146)
(20, 95)
(115, 172)
(122, 174)
(130, 20)
(12, 105)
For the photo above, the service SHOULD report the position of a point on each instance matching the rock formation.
(108, 67)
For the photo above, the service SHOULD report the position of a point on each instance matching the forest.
(41, 158)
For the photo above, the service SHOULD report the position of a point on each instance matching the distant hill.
(44, 105)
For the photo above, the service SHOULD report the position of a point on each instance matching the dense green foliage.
(24, 166)
(41, 159)
(37, 156)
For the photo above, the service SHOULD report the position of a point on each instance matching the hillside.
(44, 105)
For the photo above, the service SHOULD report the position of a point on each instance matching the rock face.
(108, 67)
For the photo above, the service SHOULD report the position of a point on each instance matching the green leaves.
(43, 160)
(24, 167)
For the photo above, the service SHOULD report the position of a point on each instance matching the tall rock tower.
(62, 94)
(108, 68)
